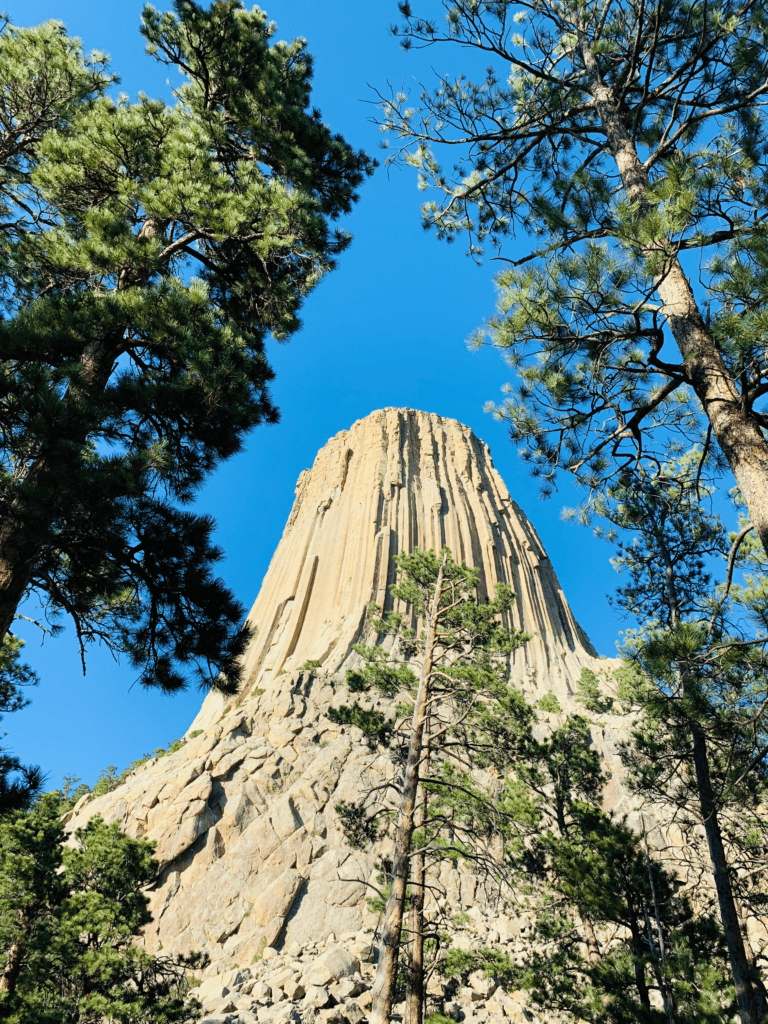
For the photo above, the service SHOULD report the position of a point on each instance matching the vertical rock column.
(397, 480)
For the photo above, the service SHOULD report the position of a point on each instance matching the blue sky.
(386, 329)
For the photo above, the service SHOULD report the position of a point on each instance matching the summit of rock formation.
(243, 814)
(397, 480)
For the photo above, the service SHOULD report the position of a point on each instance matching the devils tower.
(398, 480)
(243, 814)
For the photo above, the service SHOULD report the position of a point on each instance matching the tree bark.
(415, 995)
(729, 918)
(389, 946)
(10, 976)
(737, 431)
(761, 995)
(741, 441)
(21, 542)
(414, 1000)
(637, 958)
(593, 946)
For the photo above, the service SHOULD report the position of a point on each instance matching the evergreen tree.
(68, 918)
(698, 675)
(613, 941)
(18, 783)
(628, 140)
(147, 249)
(462, 715)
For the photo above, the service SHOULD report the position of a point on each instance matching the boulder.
(316, 996)
(333, 965)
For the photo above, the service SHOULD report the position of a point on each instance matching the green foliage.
(696, 669)
(609, 923)
(601, 868)
(473, 708)
(311, 665)
(610, 193)
(147, 250)
(438, 1018)
(443, 671)
(381, 672)
(554, 774)
(591, 695)
(18, 783)
(195, 733)
(360, 829)
(378, 904)
(67, 924)
(628, 141)
(14, 675)
(109, 779)
(374, 724)
(549, 704)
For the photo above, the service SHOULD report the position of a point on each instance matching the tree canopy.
(147, 251)
(68, 918)
(627, 141)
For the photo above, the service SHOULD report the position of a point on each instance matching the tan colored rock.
(317, 996)
(244, 813)
(294, 989)
(277, 899)
(482, 984)
(397, 480)
(336, 963)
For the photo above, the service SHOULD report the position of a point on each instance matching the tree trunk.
(414, 1000)
(12, 969)
(637, 958)
(738, 434)
(25, 529)
(386, 971)
(729, 918)
(758, 986)
(658, 956)
(593, 946)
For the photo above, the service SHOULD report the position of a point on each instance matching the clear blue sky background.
(386, 329)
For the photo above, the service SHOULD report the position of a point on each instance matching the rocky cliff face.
(243, 814)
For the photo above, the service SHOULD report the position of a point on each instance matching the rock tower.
(243, 814)
(397, 480)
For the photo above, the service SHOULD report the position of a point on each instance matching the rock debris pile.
(329, 982)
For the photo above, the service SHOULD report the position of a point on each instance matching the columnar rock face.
(398, 480)
(244, 813)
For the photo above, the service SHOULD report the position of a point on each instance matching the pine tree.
(628, 141)
(19, 784)
(68, 918)
(697, 673)
(147, 250)
(613, 940)
(463, 715)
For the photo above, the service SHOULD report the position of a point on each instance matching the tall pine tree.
(147, 250)
(450, 654)
(628, 141)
